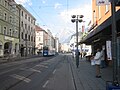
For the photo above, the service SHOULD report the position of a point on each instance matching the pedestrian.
(92, 60)
(97, 59)
(103, 63)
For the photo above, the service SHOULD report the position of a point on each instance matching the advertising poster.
(108, 48)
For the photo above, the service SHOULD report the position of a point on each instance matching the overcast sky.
(55, 15)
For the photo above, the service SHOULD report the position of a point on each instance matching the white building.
(44, 38)
(57, 47)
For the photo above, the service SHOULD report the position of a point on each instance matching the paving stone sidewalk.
(85, 76)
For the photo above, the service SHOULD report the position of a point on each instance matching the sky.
(55, 15)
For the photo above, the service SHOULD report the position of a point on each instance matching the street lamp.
(77, 18)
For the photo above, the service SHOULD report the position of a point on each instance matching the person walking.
(97, 59)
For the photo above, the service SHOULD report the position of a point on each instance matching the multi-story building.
(100, 35)
(57, 46)
(27, 32)
(44, 38)
(9, 28)
(41, 37)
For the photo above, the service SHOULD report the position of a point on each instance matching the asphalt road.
(41, 73)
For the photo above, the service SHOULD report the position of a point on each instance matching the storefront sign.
(102, 2)
(108, 48)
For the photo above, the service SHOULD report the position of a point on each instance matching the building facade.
(27, 32)
(100, 33)
(9, 28)
(44, 38)
(41, 36)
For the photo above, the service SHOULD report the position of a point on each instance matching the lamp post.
(77, 18)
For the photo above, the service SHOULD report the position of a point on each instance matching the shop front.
(101, 36)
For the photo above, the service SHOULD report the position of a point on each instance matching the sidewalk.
(5, 60)
(85, 76)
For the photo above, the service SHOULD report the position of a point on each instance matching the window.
(25, 26)
(31, 29)
(25, 16)
(39, 38)
(5, 16)
(29, 19)
(0, 13)
(22, 13)
(106, 8)
(28, 27)
(5, 3)
(10, 19)
(26, 36)
(29, 37)
(22, 36)
(99, 11)
(10, 32)
(0, 46)
(5, 32)
(0, 29)
(22, 24)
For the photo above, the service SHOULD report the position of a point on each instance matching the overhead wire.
(36, 13)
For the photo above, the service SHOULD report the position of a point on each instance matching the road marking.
(54, 71)
(30, 69)
(44, 63)
(7, 71)
(42, 66)
(27, 80)
(35, 70)
(45, 83)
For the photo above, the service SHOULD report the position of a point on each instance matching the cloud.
(65, 17)
(23, 2)
(83, 10)
(43, 1)
(57, 5)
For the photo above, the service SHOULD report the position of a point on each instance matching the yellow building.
(101, 29)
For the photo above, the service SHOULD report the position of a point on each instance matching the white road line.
(42, 66)
(44, 63)
(54, 71)
(45, 84)
(27, 80)
(35, 70)
(7, 71)
(30, 69)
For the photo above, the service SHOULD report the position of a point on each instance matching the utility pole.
(77, 18)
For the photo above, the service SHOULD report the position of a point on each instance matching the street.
(52, 73)
(41, 73)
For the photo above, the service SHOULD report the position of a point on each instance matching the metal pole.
(77, 51)
(114, 45)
